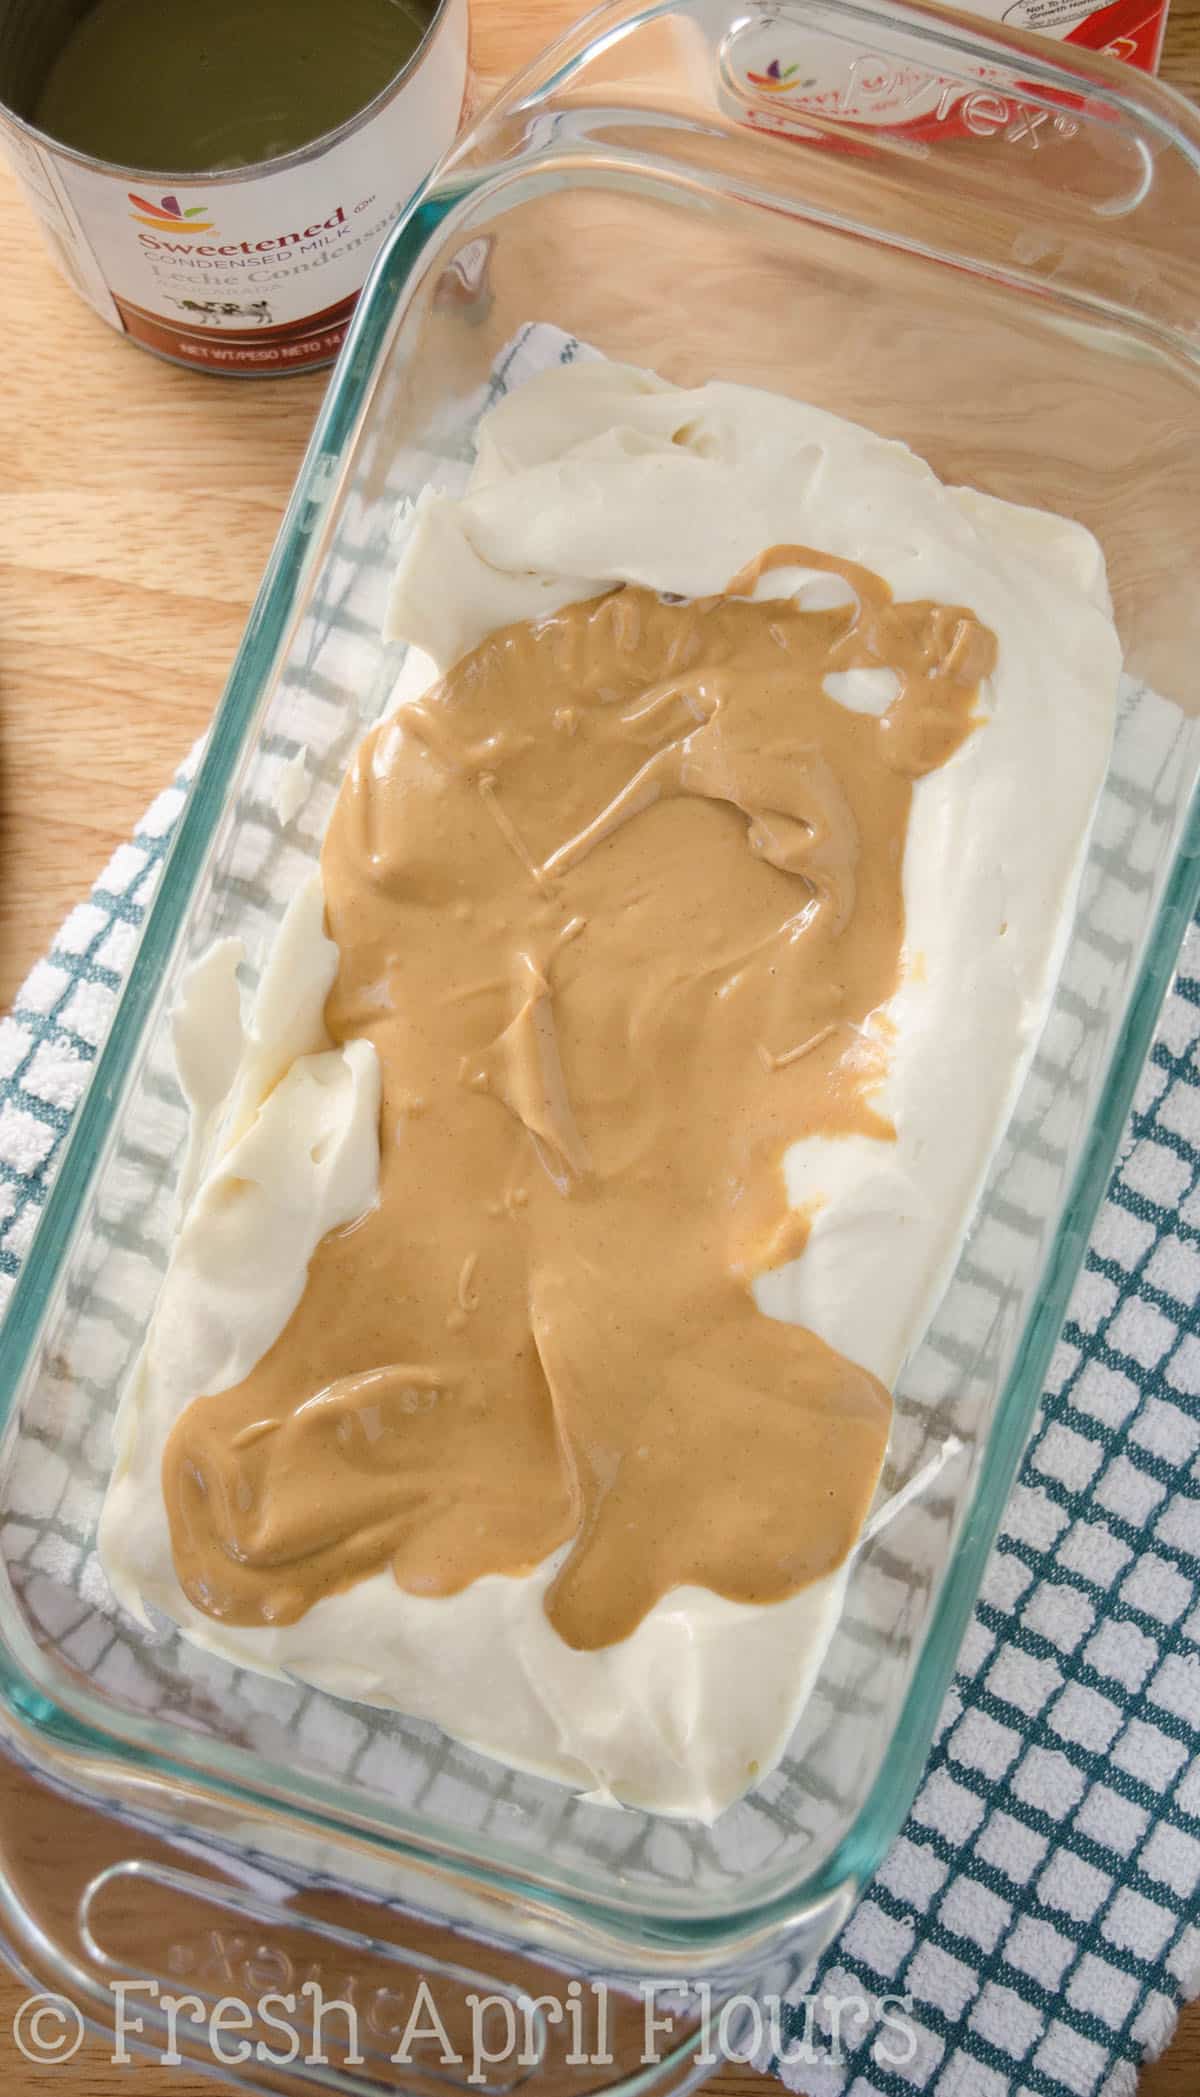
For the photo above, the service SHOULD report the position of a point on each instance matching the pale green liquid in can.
(202, 86)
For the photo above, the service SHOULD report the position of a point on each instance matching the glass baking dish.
(964, 238)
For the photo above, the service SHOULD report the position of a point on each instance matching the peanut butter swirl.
(618, 903)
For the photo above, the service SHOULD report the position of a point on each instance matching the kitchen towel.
(1040, 1909)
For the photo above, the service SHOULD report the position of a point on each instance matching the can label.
(258, 273)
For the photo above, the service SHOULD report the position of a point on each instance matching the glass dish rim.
(74, 1720)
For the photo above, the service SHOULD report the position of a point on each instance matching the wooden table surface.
(137, 507)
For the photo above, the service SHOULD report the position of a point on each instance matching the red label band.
(225, 335)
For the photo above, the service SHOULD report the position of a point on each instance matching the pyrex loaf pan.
(968, 242)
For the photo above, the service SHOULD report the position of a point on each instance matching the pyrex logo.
(169, 215)
(837, 86)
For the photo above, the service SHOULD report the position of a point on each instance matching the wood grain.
(138, 504)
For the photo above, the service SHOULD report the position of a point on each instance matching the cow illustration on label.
(211, 312)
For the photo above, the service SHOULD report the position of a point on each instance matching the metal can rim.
(255, 170)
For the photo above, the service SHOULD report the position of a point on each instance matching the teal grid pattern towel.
(1041, 1907)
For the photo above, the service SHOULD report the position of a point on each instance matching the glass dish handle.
(177, 1951)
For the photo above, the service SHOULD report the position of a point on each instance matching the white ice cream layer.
(589, 476)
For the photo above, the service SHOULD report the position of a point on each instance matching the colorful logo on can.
(169, 215)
